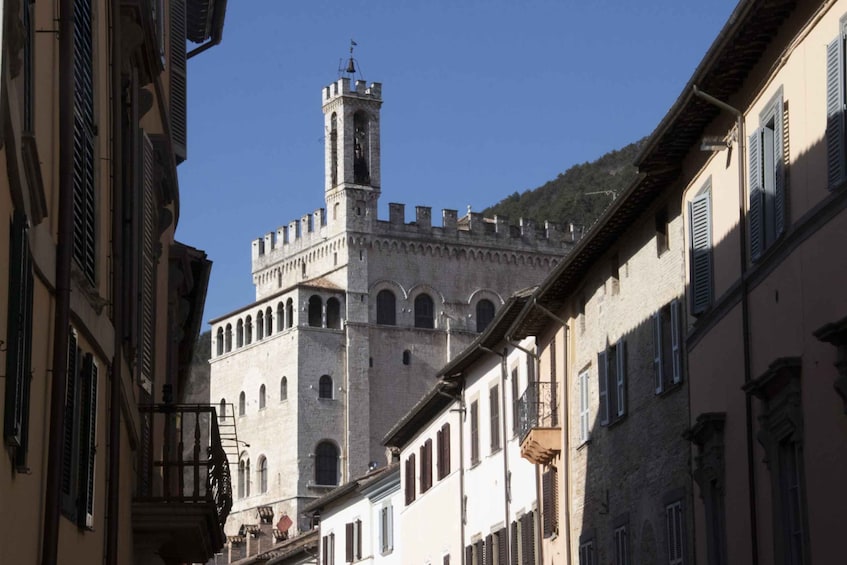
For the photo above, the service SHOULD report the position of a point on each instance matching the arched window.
(219, 342)
(424, 312)
(242, 403)
(361, 173)
(228, 338)
(241, 479)
(239, 334)
(280, 317)
(407, 357)
(289, 313)
(325, 387)
(263, 474)
(333, 141)
(222, 414)
(260, 325)
(269, 322)
(326, 464)
(315, 311)
(248, 330)
(247, 479)
(333, 313)
(386, 308)
(484, 314)
(261, 397)
(283, 388)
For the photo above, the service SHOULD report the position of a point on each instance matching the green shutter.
(756, 212)
(835, 112)
(603, 380)
(700, 225)
(178, 81)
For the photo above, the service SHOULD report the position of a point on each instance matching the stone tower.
(352, 318)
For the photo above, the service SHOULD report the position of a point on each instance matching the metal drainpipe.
(745, 316)
(113, 493)
(64, 256)
(462, 509)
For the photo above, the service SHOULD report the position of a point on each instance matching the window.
(289, 313)
(333, 313)
(550, 502)
(662, 241)
(386, 529)
(474, 432)
(84, 190)
(315, 312)
(667, 346)
(228, 338)
(328, 550)
(80, 436)
(700, 227)
(484, 314)
(283, 388)
(615, 272)
(516, 402)
(247, 478)
(280, 317)
(443, 445)
(239, 334)
(426, 466)
(18, 344)
(222, 409)
(494, 413)
(583, 407)
(333, 143)
(500, 545)
(242, 403)
(263, 474)
(424, 312)
(611, 368)
(260, 325)
(326, 464)
(586, 553)
(767, 180)
(325, 387)
(269, 322)
(409, 479)
(407, 357)
(835, 104)
(621, 546)
(241, 478)
(674, 533)
(353, 541)
(261, 397)
(219, 341)
(527, 537)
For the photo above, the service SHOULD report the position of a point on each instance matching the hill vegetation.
(579, 195)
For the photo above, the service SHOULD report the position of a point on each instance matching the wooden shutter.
(620, 359)
(348, 541)
(756, 212)
(657, 352)
(547, 502)
(603, 381)
(700, 223)
(474, 432)
(439, 447)
(178, 81)
(676, 341)
(147, 257)
(494, 412)
(358, 528)
(469, 555)
(835, 112)
(69, 447)
(489, 550)
(514, 543)
(88, 441)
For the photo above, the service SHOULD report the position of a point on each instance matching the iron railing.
(189, 465)
(537, 407)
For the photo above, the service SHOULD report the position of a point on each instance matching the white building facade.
(352, 319)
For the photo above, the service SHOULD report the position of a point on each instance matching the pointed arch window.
(386, 308)
(247, 479)
(333, 148)
(242, 403)
(228, 339)
(263, 474)
(262, 397)
(260, 325)
(484, 314)
(280, 317)
(361, 127)
(325, 387)
(283, 388)
(326, 464)
(269, 322)
(315, 311)
(333, 313)
(248, 331)
(222, 411)
(241, 478)
(289, 313)
(424, 312)
(239, 334)
(219, 341)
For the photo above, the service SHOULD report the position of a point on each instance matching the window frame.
(766, 188)
(474, 432)
(495, 442)
(667, 333)
(386, 308)
(424, 311)
(584, 406)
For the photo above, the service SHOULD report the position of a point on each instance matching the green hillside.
(565, 199)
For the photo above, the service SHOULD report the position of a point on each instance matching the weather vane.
(351, 65)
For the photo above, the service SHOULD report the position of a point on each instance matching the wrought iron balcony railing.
(188, 464)
(537, 408)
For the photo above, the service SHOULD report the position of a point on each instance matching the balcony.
(538, 423)
(184, 492)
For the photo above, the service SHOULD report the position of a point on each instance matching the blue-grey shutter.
(778, 170)
(835, 112)
(700, 225)
(657, 352)
(603, 380)
(88, 441)
(178, 81)
(620, 395)
(676, 341)
(756, 212)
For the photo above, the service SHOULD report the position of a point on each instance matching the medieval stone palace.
(353, 317)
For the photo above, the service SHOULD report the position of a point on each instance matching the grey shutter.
(620, 395)
(603, 380)
(146, 296)
(489, 550)
(778, 170)
(756, 212)
(547, 502)
(700, 224)
(835, 112)
(468, 555)
(178, 81)
(88, 441)
(348, 542)
(501, 546)
(514, 543)
(676, 341)
(657, 352)
(69, 447)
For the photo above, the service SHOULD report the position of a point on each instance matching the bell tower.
(352, 177)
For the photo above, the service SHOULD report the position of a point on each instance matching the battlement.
(360, 88)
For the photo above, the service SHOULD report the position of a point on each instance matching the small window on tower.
(361, 174)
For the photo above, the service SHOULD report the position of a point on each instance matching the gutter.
(217, 32)
(64, 256)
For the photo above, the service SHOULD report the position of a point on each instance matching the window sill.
(667, 391)
(616, 422)
(583, 445)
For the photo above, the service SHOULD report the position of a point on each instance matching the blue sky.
(481, 99)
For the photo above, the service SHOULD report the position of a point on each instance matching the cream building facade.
(353, 317)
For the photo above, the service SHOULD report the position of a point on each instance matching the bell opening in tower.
(361, 173)
(333, 136)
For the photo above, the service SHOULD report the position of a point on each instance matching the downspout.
(745, 316)
(113, 493)
(62, 314)
(462, 508)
